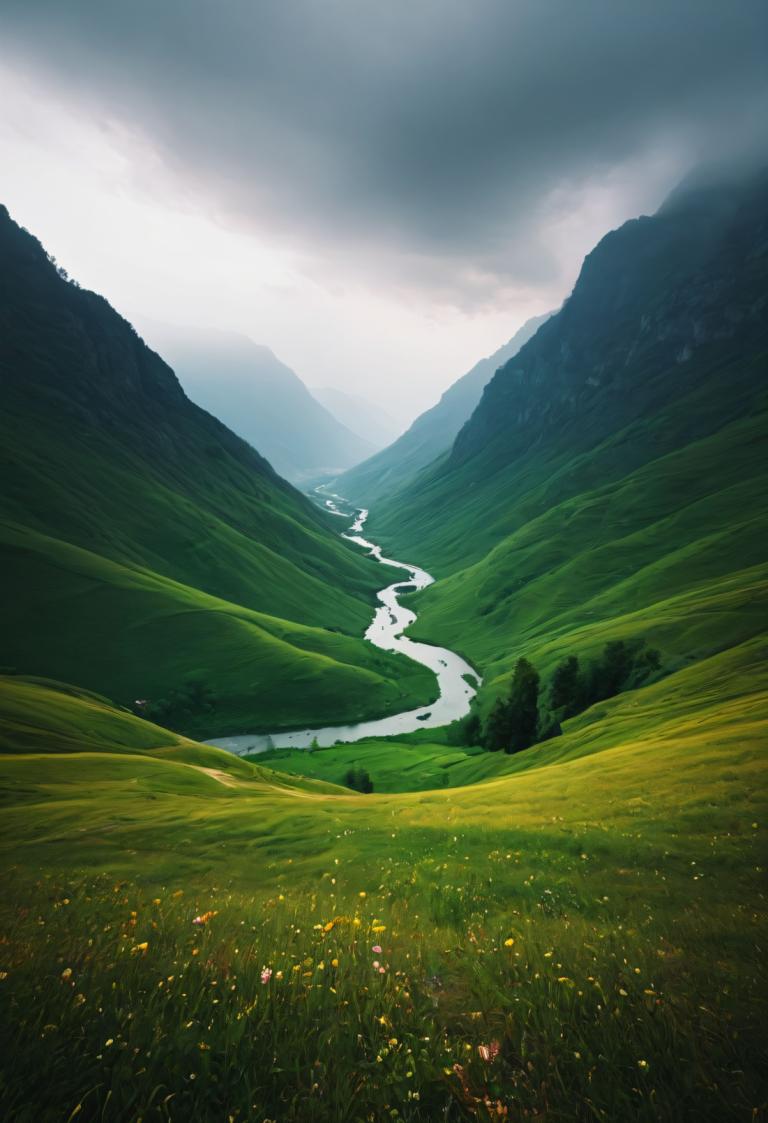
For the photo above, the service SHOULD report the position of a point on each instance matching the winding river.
(457, 680)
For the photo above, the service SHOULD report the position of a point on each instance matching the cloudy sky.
(382, 192)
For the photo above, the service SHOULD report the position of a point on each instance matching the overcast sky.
(380, 190)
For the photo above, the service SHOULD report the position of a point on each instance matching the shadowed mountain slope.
(145, 546)
(611, 482)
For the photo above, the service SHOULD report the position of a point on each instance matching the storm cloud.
(439, 145)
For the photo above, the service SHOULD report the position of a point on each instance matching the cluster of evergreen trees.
(529, 714)
(358, 779)
(176, 709)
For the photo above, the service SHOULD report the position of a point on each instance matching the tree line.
(529, 714)
(358, 779)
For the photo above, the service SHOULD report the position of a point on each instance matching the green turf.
(624, 863)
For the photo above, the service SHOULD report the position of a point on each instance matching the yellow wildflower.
(509, 942)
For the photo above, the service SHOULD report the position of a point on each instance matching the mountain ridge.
(245, 385)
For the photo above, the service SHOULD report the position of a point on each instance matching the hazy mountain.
(610, 483)
(369, 421)
(262, 400)
(146, 550)
(433, 432)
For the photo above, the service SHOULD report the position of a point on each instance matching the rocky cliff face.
(650, 298)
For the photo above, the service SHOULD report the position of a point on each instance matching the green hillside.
(145, 546)
(608, 484)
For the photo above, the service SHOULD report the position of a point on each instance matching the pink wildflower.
(266, 975)
(489, 1053)
(376, 949)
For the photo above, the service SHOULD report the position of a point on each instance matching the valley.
(265, 853)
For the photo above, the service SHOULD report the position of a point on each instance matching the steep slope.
(145, 546)
(611, 481)
(262, 400)
(361, 416)
(432, 434)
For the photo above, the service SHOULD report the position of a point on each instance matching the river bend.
(457, 680)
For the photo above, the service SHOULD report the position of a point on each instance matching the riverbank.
(386, 631)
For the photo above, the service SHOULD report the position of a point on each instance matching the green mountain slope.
(611, 481)
(262, 400)
(140, 536)
(432, 433)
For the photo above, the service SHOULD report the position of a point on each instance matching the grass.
(265, 673)
(627, 871)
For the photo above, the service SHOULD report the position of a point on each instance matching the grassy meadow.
(187, 935)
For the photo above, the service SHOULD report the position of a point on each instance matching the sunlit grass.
(581, 939)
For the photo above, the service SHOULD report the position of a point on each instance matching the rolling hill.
(262, 400)
(432, 433)
(594, 911)
(148, 553)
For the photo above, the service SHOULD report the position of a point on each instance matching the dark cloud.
(430, 140)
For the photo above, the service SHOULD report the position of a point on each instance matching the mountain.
(432, 433)
(149, 553)
(262, 400)
(610, 483)
(369, 421)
